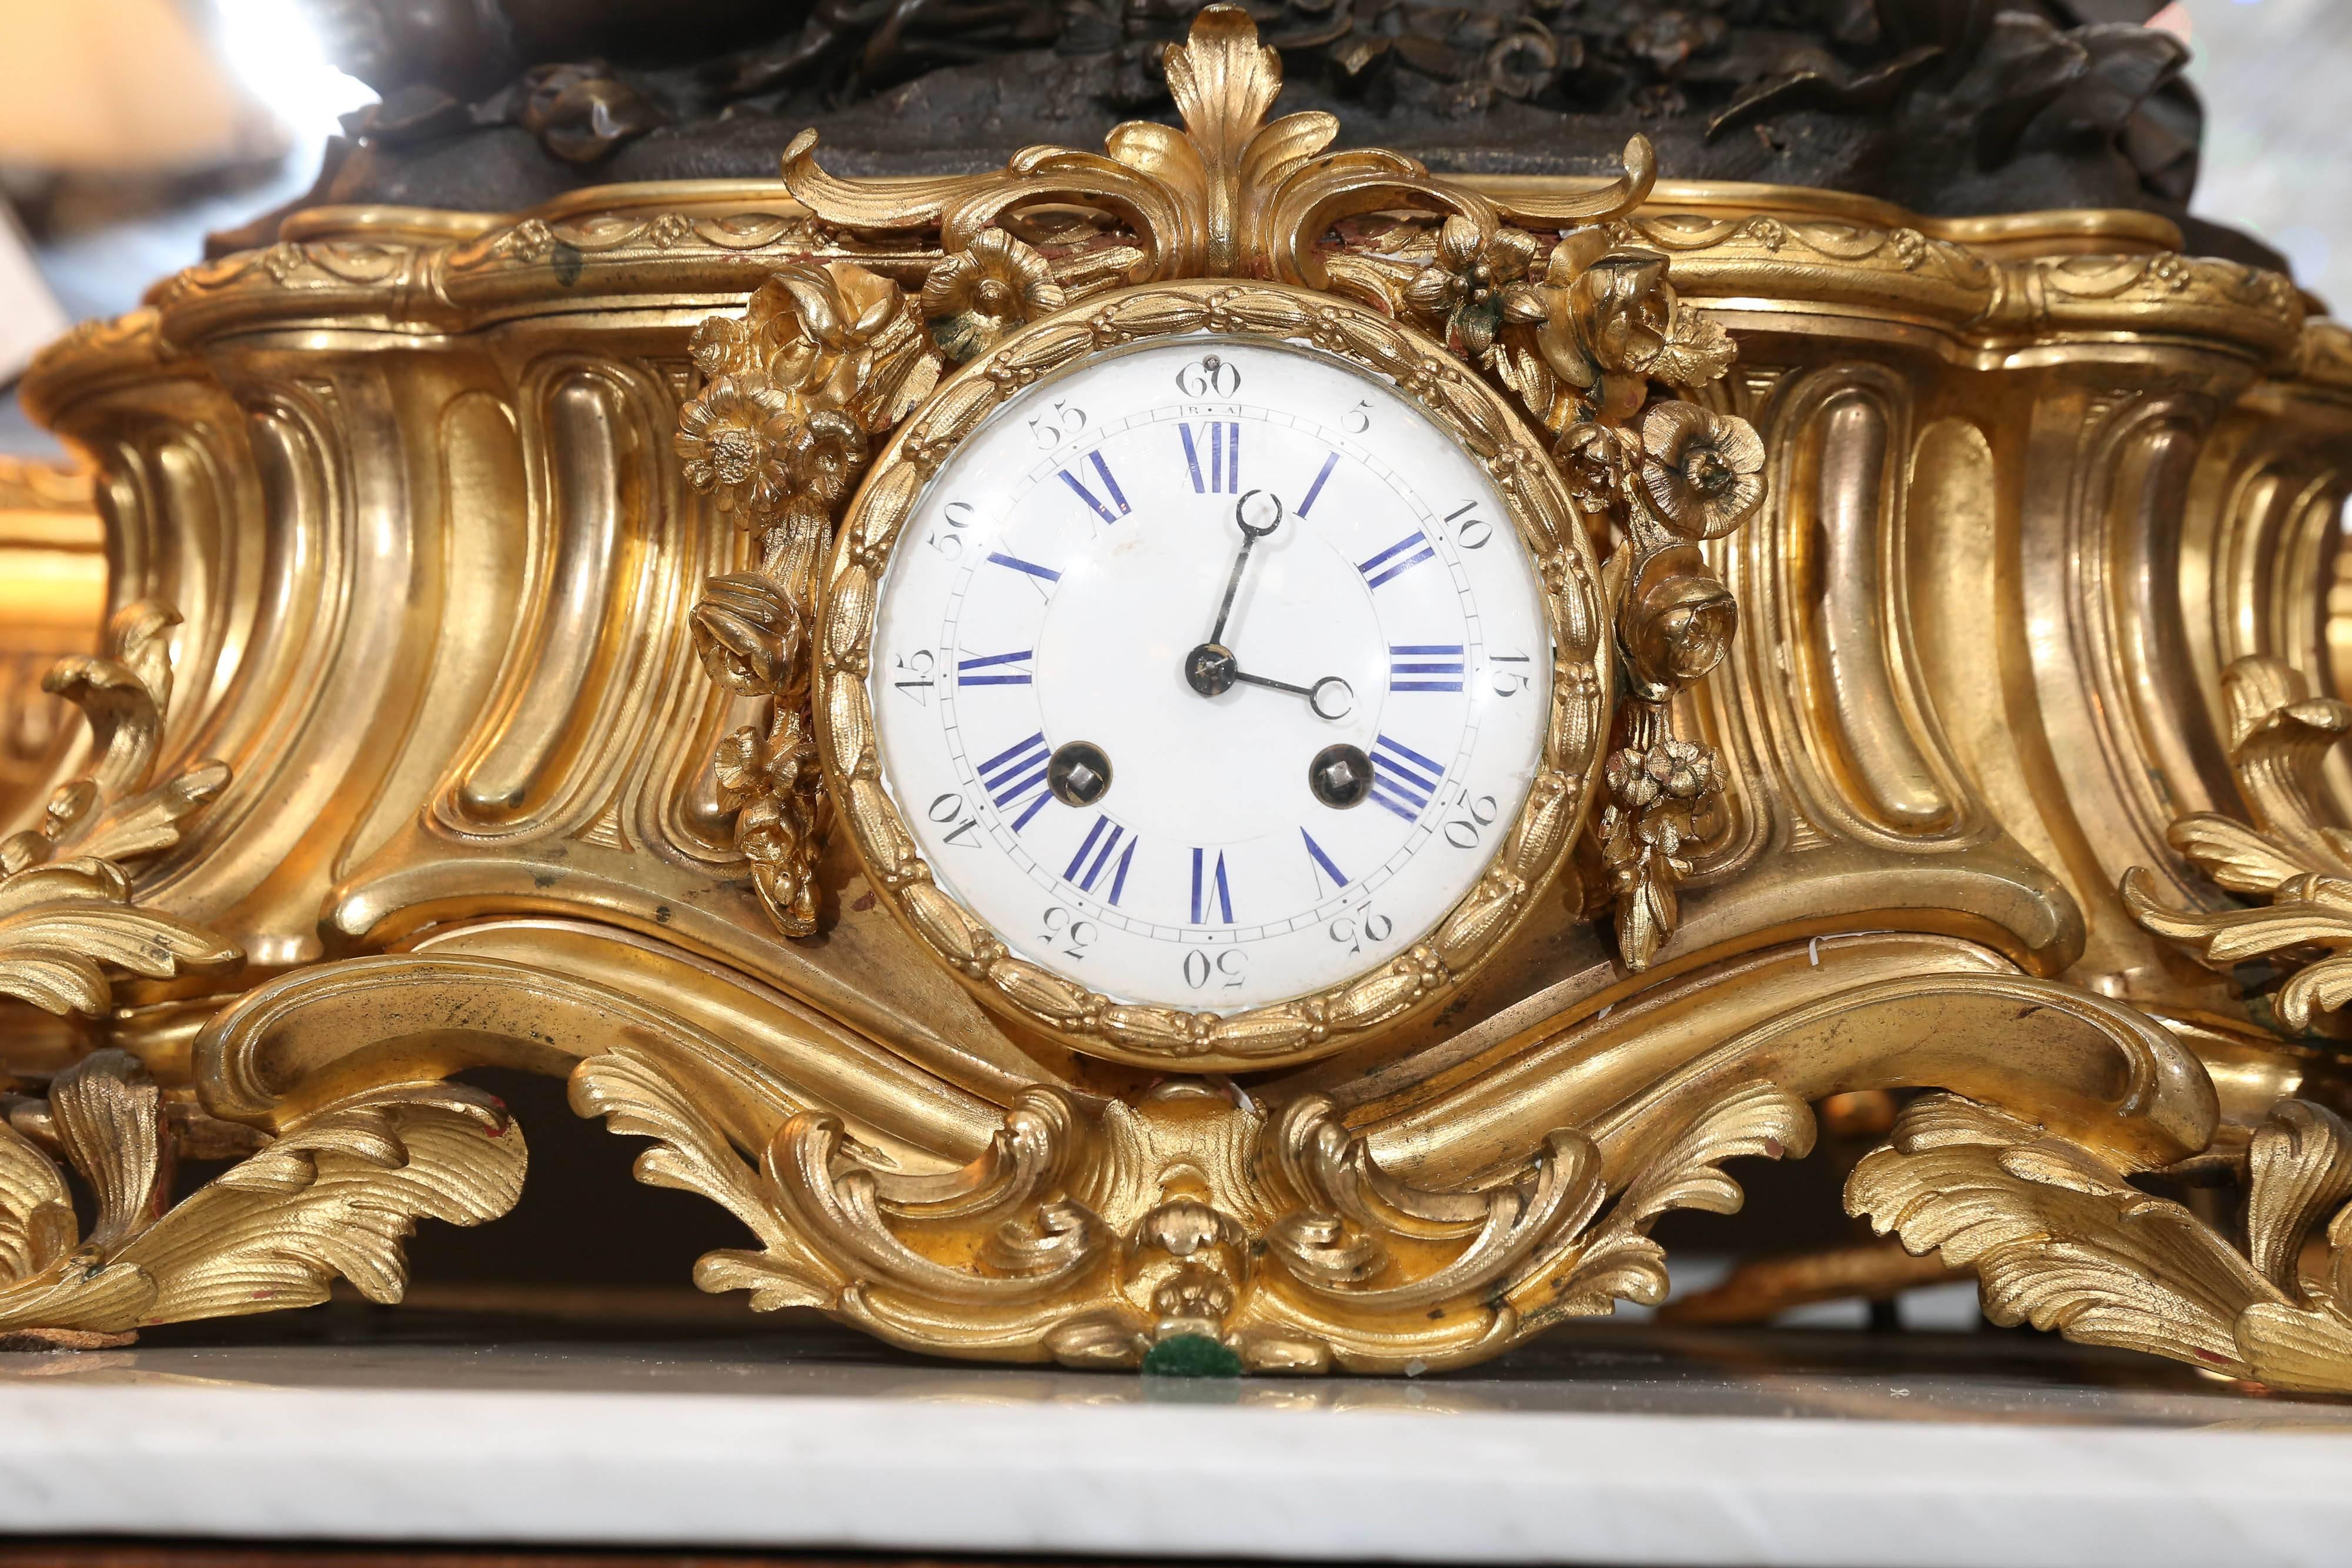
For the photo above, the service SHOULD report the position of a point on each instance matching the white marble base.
(691, 1445)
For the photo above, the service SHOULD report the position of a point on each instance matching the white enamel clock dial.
(1173, 799)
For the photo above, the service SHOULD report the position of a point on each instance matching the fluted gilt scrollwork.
(1091, 1237)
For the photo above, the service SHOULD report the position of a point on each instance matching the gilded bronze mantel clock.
(1219, 744)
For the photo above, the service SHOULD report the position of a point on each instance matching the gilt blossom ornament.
(977, 294)
(1702, 471)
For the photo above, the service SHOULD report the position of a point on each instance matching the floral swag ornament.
(1597, 347)
(824, 357)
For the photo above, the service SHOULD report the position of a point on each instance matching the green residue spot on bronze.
(1190, 1355)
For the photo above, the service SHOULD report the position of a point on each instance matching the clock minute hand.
(1212, 668)
(1233, 586)
(1251, 534)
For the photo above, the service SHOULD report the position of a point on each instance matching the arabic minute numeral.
(1069, 934)
(950, 808)
(915, 674)
(1358, 419)
(1352, 933)
(1211, 375)
(1469, 532)
(1509, 682)
(959, 516)
(1225, 971)
(1477, 813)
(1062, 424)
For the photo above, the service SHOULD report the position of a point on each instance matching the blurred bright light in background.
(2277, 163)
(269, 51)
(272, 49)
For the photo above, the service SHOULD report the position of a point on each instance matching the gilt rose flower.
(725, 346)
(749, 634)
(983, 291)
(1704, 471)
(1622, 309)
(1464, 288)
(1676, 624)
(822, 456)
(1595, 460)
(823, 327)
(1606, 322)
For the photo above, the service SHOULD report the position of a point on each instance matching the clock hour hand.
(1330, 697)
(1212, 671)
(1274, 685)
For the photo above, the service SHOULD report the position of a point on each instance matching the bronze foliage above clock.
(1944, 105)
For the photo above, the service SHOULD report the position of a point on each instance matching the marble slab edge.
(1178, 1480)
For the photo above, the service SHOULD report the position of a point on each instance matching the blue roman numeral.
(1102, 471)
(1316, 489)
(995, 670)
(1403, 780)
(1386, 565)
(1314, 852)
(1224, 440)
(1043, 573)
(1424, 666)
(1209, 884)
(1087, 873)
(1013, 772)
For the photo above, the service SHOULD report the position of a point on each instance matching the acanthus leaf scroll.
(2292, 857)
(333, 1193)
(2063, 1241)
(1090, 1236)
(2059, 1233)
(68, 919)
